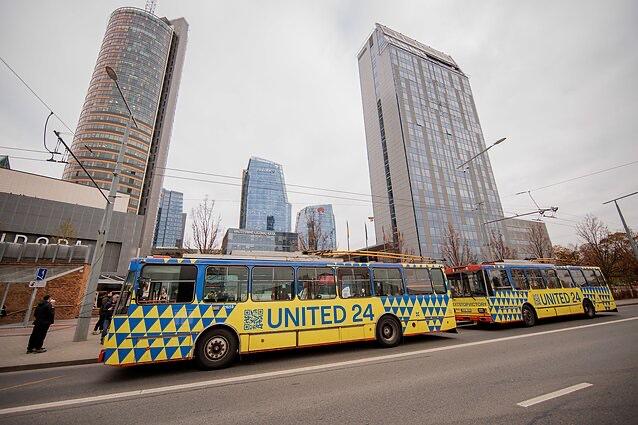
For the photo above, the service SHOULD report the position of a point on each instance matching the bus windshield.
(468, 284)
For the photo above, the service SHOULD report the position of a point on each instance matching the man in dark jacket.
(44, 317)
(100, 321)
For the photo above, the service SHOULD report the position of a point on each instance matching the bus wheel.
(388, 332)
(589, 309)
(529, 317)
(216, 349)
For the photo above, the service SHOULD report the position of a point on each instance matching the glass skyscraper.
(421, 124)
(316, 228)
(147, 53)
(264, 202)
(169, 229)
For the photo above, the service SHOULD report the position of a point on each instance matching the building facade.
(258, 240)
(42, 210)
(316, 228)
(264, 202)
(147, 54)
(421, 125)
(529, 238)
(171, 220)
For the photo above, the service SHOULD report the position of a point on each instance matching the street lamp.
(632, 242)
(481, 152)
(84, 318)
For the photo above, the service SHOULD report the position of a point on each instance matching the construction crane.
(150, 6)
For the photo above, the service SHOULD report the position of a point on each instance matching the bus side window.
(578, 276)
(497, 279)
(535, 279)
(316, 283)
(418, 281)
(167, 283)
(354, 282)
(387, 282)
(591, 278)
(226, 284)
(552, 279)
(125, 295)
(601, 278)
(520, 282)
(565, 278)
(272, 283)
(438, 281)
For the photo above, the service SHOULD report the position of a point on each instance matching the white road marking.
(285, 372)
(549, 396)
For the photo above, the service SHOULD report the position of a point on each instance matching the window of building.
(579, 278)
(164, 283)
(520, 282)
(418, 281)
(272, 283)
(565, 278)
(354, 282)
(535, 279)
(228, 284)
(553, 282)
(438, 281)
(387, 282)
(316, 283)
(497, 279)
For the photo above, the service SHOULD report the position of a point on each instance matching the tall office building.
(316, 228)
(147, 53)
(264, 202)
(421, 124)
(171, 220)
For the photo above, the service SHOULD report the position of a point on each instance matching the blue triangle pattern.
(149, 322)
(155, 352)
(161, 308)
(122, 353)
(164, 323)
(139, 352)
(133, 321)
(119, 338)
(170, 351)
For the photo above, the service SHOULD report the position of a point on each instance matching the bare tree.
(538, 242)
(456, 249)
(205, 226)
(314, 238)
(498, 249)
(66, 232)
(600, 247)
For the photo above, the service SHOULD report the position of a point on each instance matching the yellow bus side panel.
(271, 341)
(353, 333)
(319, 337)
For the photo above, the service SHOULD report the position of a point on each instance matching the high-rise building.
(421, 125)
(529, 238)
(316, 228)
(169, 229)
(147, 54)
(264, 202)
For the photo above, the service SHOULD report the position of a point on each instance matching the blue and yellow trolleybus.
(212, 309)
(523, 291)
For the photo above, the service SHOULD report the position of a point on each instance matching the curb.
(36, 366)
(625, 304)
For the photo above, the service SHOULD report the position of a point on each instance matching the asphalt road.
(478, 376)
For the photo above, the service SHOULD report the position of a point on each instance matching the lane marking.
(285, 372)
(549, 396)
(30, 383)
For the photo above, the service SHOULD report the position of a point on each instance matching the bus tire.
(529, 316)
(588, 309)
(216, 349)
(388, 332)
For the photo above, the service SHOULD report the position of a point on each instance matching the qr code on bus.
(253, 319)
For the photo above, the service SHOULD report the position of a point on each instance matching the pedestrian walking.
(100, 321)
(44, 317)
(108, 315)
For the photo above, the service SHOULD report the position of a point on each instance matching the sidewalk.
(61, 350)
(628, 301)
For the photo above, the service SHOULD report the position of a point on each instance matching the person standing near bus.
(44, 317)
(100, 322)
(108, 315)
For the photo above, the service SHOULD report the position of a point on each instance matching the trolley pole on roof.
(86, 308)
(632, 241)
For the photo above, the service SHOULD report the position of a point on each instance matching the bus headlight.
(481, 310)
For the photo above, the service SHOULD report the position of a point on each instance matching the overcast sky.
(280, 80)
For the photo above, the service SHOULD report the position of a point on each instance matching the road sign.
(41, 273)
(37, 284)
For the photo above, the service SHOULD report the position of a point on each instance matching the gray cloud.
(280, 80)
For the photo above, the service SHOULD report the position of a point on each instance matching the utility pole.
(632, 241)
(86, 308)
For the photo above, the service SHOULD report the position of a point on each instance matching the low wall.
(624, 291)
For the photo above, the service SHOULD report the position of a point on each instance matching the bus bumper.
(100, 357)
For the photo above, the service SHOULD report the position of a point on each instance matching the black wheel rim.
(216, 348)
